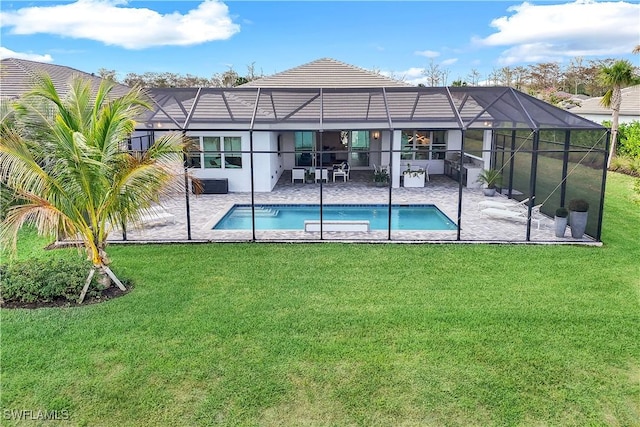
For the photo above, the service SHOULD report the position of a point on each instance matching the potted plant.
(381, 177)
(578, 217)
(310, 176)
(561, 221)
(490, 178)
(413, 177)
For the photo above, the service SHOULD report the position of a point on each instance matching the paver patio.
(206, 210)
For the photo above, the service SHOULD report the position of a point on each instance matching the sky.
(397, 38)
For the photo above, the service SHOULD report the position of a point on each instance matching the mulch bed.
(106, 295)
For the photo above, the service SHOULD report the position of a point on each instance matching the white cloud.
(550, 32)
(110, 22)
(8, 53)
(449, 61)
(413, 75)
(427, 53)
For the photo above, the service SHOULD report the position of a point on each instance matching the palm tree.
(65, 165)
(636, 49)
(620, 74)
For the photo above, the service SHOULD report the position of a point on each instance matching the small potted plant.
(381, 177)
(578, 214)
(490, 178)
(561, 221)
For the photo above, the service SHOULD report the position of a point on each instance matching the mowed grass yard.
(346, 335)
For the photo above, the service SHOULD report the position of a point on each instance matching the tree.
(619, 75)
(107, 74)
(433, 73)
(65, 164)
(474, 77)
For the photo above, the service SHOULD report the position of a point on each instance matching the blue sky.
(399, 38)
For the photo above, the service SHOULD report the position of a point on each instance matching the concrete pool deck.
(206, 210)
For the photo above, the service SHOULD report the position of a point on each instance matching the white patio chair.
(342, 171)
(298, 173)
(322, 174)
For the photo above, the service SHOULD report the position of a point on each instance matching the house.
(327, 112)
(591, 108)
(18, 76)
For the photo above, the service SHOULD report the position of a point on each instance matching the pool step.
(259, 211)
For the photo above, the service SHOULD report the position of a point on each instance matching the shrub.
(45, 280)
(578, 205)
(626, 165)
(562, 212)
(628, 138)
(629, 143)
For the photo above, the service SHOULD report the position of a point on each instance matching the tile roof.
(630, 105)
(326, 73)
(17, 76)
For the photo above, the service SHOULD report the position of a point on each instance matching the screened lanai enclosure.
(373, 164)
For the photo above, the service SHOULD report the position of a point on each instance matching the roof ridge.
(355, 67)
(327, 65)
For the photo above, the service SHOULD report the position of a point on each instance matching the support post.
(460, 166)
(532, 180)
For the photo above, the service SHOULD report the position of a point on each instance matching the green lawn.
(335, 334)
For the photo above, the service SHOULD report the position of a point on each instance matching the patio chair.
(322, 174)
(510, 215)
(298, 173)
(503, 205)
(342, 171)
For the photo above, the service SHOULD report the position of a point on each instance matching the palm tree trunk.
(616, 100)
(102, 270)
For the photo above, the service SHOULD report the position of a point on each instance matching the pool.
(292, 217)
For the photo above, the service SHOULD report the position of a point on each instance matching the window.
(212, 156)
(214, 152)
(423, 145)
(232, 154)
(304, 145)
(193, 152)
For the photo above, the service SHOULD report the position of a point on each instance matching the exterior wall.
(599, 118)
(454, 140)
(395, 169)
(267, 167)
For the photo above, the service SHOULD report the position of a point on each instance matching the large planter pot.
(578, 222)
(414, 179)
(489, 192)
(561, 225)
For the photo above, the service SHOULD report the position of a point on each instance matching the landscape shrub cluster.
(45, 280)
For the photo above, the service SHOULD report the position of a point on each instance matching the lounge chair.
(503, 205)
(519, 215)
(155, 216)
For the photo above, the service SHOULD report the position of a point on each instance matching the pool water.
(292, 217)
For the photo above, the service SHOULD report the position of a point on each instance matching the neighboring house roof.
(326, 73)
(630, 105)
(18, 76)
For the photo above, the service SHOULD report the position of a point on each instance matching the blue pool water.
(292, 217)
